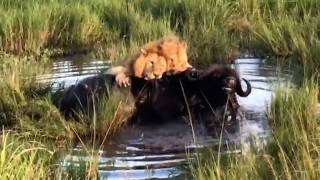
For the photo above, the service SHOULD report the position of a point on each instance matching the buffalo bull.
(167, 98)
(199, 90)
(218, 87)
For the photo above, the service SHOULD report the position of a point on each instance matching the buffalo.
(195, 90)
(82, 97)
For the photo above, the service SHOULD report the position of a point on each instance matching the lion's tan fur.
(173, 49)
(145, 65)
(167, 54)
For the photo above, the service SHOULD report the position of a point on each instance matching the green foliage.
(215, 30)
(27, 107)
(19, 158)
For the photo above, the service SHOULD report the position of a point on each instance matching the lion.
(167, 55)
(175, 52)
(145, 65)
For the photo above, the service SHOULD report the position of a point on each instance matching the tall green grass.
(24, 156)
(23, 159)
(32, 26)
(27, 105)
(215, 30)
(35, 134)
(292, 152)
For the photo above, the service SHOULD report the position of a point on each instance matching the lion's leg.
(122, 79)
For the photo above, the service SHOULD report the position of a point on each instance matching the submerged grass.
(292, 152)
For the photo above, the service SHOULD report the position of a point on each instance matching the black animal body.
(219, 85)
(200, 91)
(163, 99)
(82, 96)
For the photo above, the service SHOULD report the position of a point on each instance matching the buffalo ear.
(138, 66)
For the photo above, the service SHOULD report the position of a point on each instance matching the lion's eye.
(151, 62)
(171, 60)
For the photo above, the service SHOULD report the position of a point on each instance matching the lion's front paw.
(122, 80)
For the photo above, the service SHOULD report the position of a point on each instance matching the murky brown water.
(155, 152)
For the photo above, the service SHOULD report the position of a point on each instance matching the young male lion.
(168, 55)
(174, 50)
(145, 65)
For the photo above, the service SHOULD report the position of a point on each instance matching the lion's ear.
(139, 65)
(160, 47)
(184, 44)
(143, 51)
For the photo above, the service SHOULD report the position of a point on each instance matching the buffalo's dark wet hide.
(188, 92)
(159, 100)
(183, 94)
(82, 97)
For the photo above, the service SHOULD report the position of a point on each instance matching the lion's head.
(175, 52)
(149, 65)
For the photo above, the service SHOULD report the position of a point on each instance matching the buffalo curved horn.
(240, 91)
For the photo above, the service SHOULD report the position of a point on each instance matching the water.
(67, 71)
(156, 151)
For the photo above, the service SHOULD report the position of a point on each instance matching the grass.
(292, 152)
(35, 135)
(29, 106)
(25, 156)
(20, 158)
(215, 30)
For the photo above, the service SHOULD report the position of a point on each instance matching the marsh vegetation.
(34, 31)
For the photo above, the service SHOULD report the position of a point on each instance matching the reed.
(215, 30)
(36, 135)
(25, 156)
(29, 106)
(20, 158)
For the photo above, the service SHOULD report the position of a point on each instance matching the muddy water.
(157, 151)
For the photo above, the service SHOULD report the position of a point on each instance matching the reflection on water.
(148, 152)
(263, 77)
(67, 71)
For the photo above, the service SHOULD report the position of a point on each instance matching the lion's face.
(150, 66)
(155, 67)
(170, 52)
